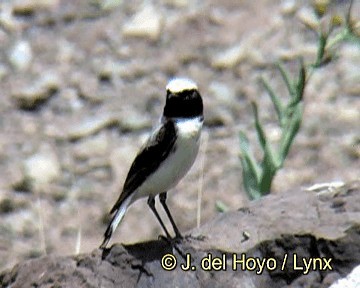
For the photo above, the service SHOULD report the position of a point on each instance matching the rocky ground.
(81, 87)
(313, 252)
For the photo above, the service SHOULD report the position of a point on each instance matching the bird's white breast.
(178, 162)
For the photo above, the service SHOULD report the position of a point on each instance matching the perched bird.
(167, 155)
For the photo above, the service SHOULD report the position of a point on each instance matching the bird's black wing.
(154, 152)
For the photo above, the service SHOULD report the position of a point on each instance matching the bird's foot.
(174, 242)
(169, 240)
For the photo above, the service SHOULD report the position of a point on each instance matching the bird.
(166, 156)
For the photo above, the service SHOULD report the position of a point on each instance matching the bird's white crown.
(178, 85)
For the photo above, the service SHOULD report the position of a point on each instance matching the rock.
(16, 179)
(223, 104)
(352, 146)
(67, 52)
(91, 125)
(7, 20)
(349, 114)
(308, 17)
(132, 70)
(71, 96)
(96, 145)
(43, 167)
(30, 97)
(349, 68)
(109, 4)
(131, 120)
(327, 232)
(222, 93)
(88, 86)
(177, 3)
(127, 120)
(21, 55)
(229, 58)
(29, 6)
(145, 23)
(219, 116)
(7, 205)
(288, 7)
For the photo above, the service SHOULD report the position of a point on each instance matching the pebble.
(177, 3)
(91, 125)
(21, 55)
(96, 145)
(145, 23)
(350, 63)
(41, 90)
(288, 7)
(28, 6)
(222, 93)
(293, 53)
(108, 68)
(229, 58)
(88, 86)
(350, 114)
(131, 120)
(308, 17)
(15, 176)
(23, 219)
(219, 116)
(42, 167)
(352, 146)
(71, 97)
(109, 4)
(7, 20)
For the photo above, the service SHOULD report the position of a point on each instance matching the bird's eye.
(194, 94)
(170, 95)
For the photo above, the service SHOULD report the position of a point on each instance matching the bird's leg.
(151, 203)
(162, 198)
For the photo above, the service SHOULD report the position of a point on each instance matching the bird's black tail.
(119, 214)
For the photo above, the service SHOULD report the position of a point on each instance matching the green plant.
(258, 176)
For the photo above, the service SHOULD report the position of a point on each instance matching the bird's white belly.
(177, 163)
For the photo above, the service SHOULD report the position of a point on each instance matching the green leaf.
(259, 129)
(250, 169)
(275, 100)
(286, 78)
(249, 180)
(290, 132)
(269, 171)
(247, 156)
(300, 88)
(321, 49)
(300, 85)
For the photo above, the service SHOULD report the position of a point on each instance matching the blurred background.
(82, 83)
